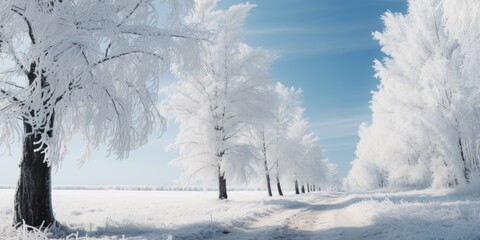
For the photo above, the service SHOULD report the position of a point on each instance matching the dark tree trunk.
(279, 187)
(466, 172)
(297, 191)
(265, 163)
(313, 187)
(308, 187)
(303, 188)
(33, 202)
(269, 187)
(222, 186)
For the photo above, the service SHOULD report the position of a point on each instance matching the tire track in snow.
(304, 217)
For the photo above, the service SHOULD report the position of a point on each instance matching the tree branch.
(130, 14)
(125, 54)
(29, 25)
(159, 33)
(9, 96)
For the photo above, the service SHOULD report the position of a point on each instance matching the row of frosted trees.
(234, 122)
(91, 68)
(425, 129)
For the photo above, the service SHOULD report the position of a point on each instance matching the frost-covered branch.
(18, 10)
(59, 49)
(125, 54)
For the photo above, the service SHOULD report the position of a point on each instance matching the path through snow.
(403, 215)
(309, 218)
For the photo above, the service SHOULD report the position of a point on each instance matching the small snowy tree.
(80, 67)
(285, 145)
(214, 103)
(257, 137)
(304, 162)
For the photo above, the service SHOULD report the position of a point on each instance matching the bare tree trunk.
(466, 172)
(279, 187)
(297, 191)
(313, 188)
(308, 187)
(303, 188)
(269, 187)
(222, 181)
(265, 163)
(33, 202)
(33, 196)
(222, 185)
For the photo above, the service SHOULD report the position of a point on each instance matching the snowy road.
(310, 218)
(411, 215)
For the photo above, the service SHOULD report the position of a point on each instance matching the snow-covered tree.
(215, 102)
(425, 123)
(81, 67)
(281, 153)
(257, 136)
(307, 163)
(285, 145)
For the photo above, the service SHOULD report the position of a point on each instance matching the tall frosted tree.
(425, 112)
(80, 67)
(214, 102)
(261, 136)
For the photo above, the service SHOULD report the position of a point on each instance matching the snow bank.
(416, 215)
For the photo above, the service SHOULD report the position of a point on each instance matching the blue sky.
(325, 47)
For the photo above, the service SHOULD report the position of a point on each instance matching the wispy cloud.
(295, 41)
(295, 51)
(339, 135)
(284, 30)
(339, 147)
(340, 127)
(328, 47)
(320, 30)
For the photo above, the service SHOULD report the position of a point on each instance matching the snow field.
(137, 215)
(149, 214)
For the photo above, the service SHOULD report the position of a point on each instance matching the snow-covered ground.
(251, 215)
